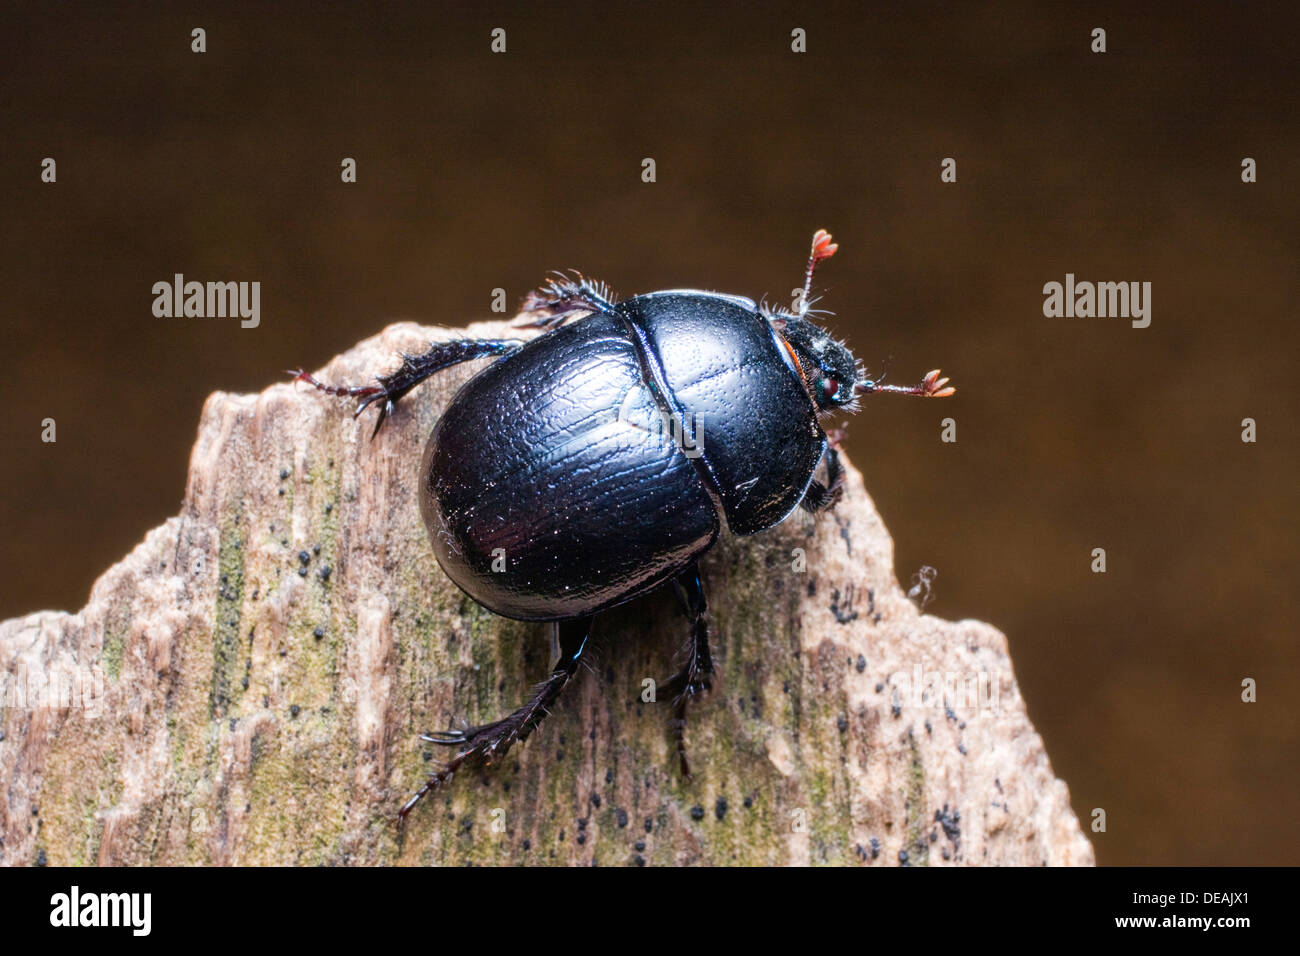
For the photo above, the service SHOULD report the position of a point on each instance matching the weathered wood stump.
(248, 684)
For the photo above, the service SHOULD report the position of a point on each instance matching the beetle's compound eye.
(828, 386)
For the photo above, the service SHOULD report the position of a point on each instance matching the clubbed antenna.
(822, 248)
(932, 386)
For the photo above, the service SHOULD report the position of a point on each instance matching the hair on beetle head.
(829, 370)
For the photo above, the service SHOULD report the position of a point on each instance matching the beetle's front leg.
(481, 745)
(821, 497)
(413, 370)
(694, 676)
(563, 297)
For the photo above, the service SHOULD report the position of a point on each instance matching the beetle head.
(832, 376)
(827, 367)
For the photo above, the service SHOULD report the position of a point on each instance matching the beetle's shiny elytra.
(600, 460)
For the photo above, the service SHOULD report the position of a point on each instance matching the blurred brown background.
(479, 170)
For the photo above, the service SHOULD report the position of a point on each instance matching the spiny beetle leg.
(694, 676)
(563, 297)
(481, 745)
(821, 497)
(413, 370)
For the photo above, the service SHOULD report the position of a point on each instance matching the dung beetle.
(592, 464)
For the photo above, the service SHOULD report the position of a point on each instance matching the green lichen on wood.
(114, 646)
(318, 657)
(227, 615)
(66, 818)
(918, 847)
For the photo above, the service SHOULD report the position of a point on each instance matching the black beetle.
(598, 461)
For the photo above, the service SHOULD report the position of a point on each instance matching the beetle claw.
(370, 399)
(445, 737)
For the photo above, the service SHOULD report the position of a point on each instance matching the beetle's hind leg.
(697, 669)
(563, 297)
(413, 370)
(481, 745)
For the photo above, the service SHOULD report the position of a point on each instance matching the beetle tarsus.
(481, 745)
(370, 392)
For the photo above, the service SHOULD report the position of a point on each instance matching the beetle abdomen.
(548, 492)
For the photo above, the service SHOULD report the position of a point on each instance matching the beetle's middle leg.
(694, 676)
(413, 370)
(481, 745)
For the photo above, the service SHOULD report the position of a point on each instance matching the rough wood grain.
(213, 704)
